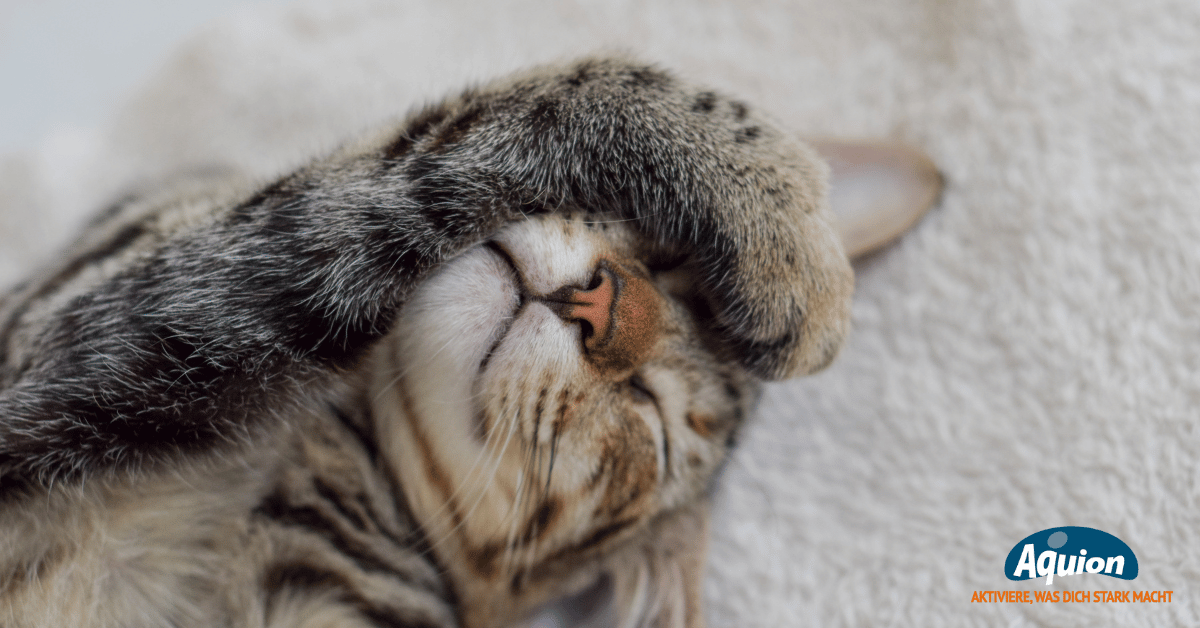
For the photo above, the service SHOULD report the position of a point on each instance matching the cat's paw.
(696, 171)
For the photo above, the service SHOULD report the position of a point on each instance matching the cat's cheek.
(451, 323)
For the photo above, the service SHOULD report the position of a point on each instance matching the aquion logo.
(1068, 551)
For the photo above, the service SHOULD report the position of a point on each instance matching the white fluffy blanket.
(1028, 357)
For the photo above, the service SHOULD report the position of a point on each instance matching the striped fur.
(362, 394)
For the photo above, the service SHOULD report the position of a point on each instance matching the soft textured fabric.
(1028, 357)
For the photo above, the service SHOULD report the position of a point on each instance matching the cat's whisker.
(482, 487)
(534, 462)
(535, 535)
(491, 475)
(534, 500)
(468, 477)
(404, 373)
(525, 503)
(513, 519)
(553, 456)
(519, 511)
(620, 220)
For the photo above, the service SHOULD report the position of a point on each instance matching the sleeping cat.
(467, 365)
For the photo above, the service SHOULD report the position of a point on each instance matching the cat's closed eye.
(640, 391)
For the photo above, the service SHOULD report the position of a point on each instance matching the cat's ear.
(659, 582)
(877, 190)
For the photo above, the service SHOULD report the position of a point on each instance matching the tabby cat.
(473, 363)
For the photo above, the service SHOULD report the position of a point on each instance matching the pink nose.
(594, 307)
(620, 314)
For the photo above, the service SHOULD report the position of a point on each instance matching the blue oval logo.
(1070, 551)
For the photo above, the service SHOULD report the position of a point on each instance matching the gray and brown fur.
(198, 368)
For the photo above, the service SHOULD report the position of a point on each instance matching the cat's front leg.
(187, 324)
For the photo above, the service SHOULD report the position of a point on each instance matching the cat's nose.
(619, 314)
(593, 307)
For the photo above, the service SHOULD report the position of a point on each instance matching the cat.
(484, 359)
